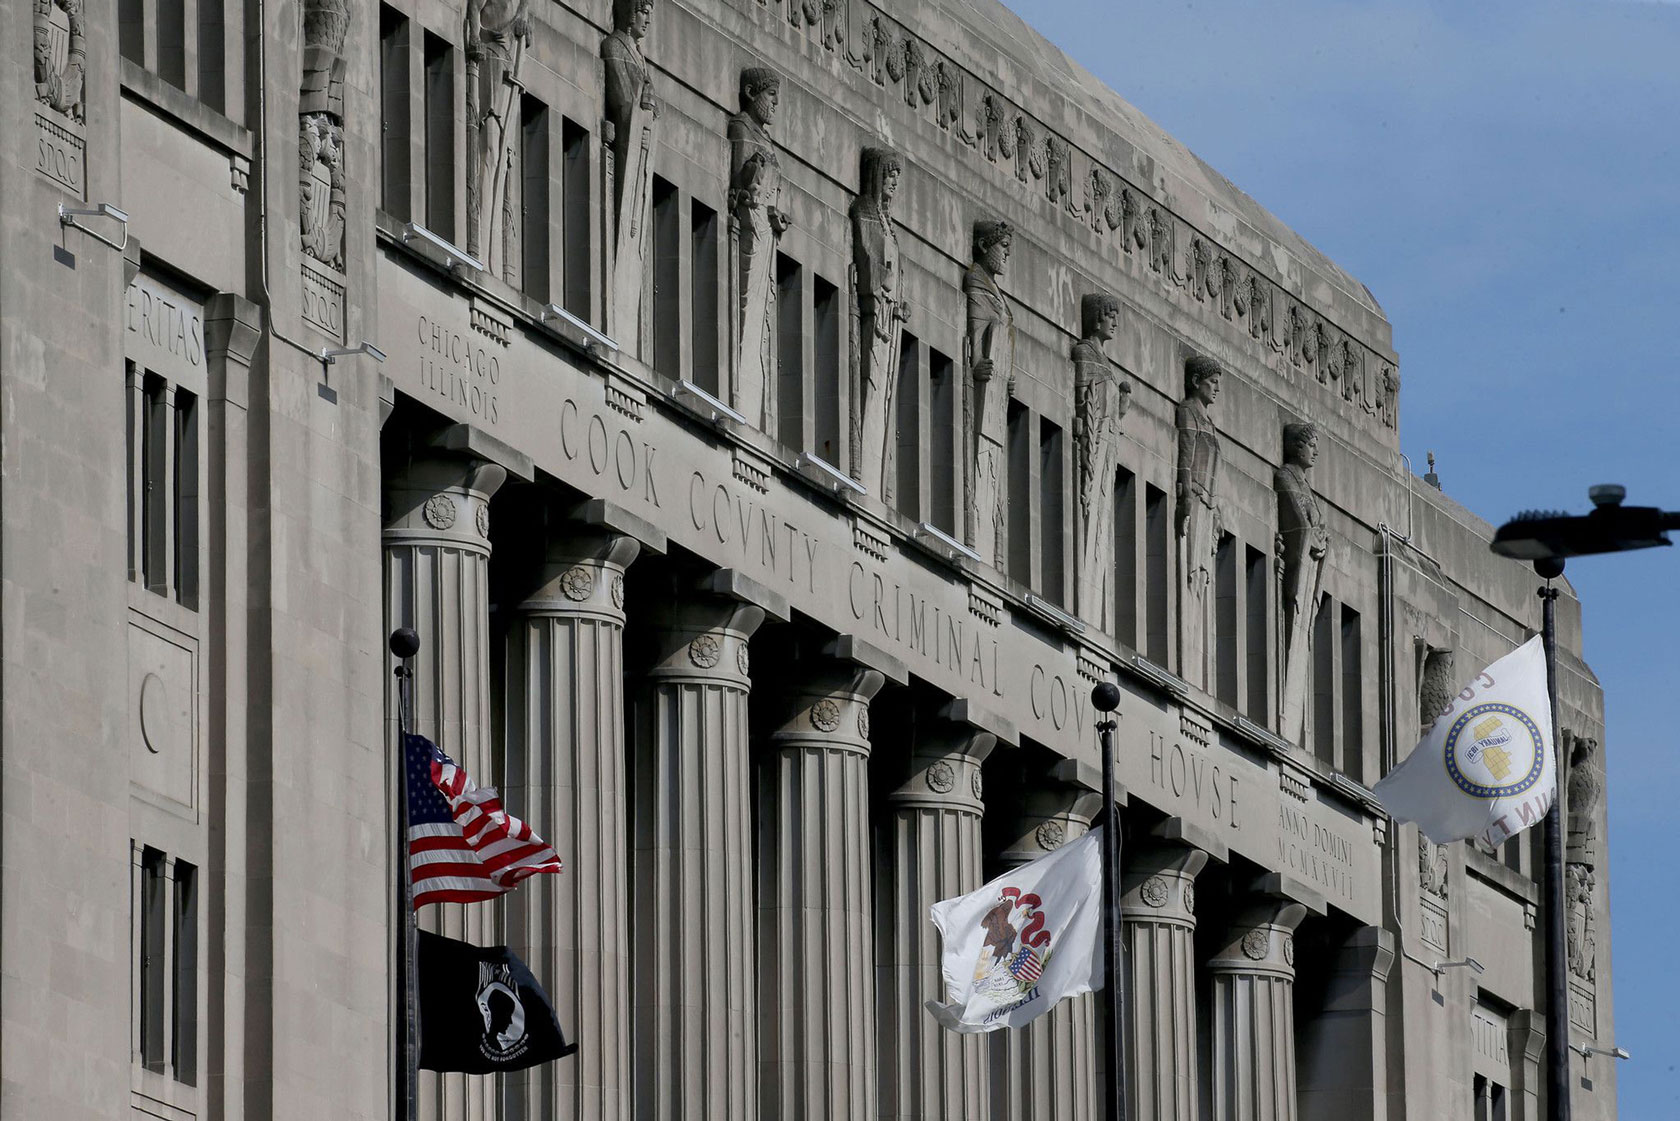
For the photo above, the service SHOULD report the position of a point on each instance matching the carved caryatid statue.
(881, 315)
(321, 171)
(60, 56)
(1302, 542)
(1197, 519)
(1100, 400)
(497, 33)
(755, 195)
(631, 112)
(991, 376)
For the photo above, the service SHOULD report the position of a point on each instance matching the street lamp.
(1610, 528)
(1547, 539)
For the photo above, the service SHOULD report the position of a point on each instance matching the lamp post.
(1547, 539)
(1105, 698)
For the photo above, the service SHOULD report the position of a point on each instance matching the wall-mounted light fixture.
(1055, 614)
(330, 354)
(699, 401)
(576, 331)
(67, 216)
(1471, 964)
(942, 544)
(446, 253)
(1587, 1052)
(821, 471)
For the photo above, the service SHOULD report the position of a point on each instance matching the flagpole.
(405, 643)
(1557, 969)
(1105, 698)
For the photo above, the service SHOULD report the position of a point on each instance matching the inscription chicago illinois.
(454, 366)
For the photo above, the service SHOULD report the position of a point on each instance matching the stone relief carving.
(578, 583)
(1432, 867)
(991, 378)
(497, 33)
(1155, 891)
(1582, 946)
(825, 715)
(881, 315)
(705, 650)
(321, 171)
(941, 777)
(888, 54)
(1302, 542)
(1050, 835)
(1583, 788)
(1256, 944)
(439, 511)
(758, 222)
(1197, 515)
(632, 111)
(1101, 399)
(1437, 682)
(60, 56)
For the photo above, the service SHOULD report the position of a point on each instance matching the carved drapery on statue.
(497, 33)
(1583, 787)
(991, 379)
(60, 56)
(757, 225)
(1101, 399)
(631, 113)
(1302, 542)
(1198, 520)
(321, 172)
(1437, 684)
(881, 314)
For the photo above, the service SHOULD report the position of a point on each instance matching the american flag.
(462, 846)
(1025, 966)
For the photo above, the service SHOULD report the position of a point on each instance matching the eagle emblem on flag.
(1016, 945)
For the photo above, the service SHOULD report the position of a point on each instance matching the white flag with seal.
(1485, 768)
(1024, 941)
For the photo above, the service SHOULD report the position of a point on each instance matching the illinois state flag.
(1485, 767)
(1024, 941)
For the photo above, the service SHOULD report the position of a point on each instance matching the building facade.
(777, 417)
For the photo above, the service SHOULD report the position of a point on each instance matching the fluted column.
(565, 773)
(437, 562)
(815, 904)
(932, 851)
(695, 1013)
(1158, 913)
(1253, 1014)
(1047, 1070)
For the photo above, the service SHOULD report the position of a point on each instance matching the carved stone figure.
(60, 56)
(1582, 947)
(1197, 520)
(881, 312)
(497, 32)
(631, 113)
(1302, 542)
(321, 171)
(755, 195)
(1437, 684)
(991, 378)
(1389, 406)
(1100, 400)
(1432, 867)
(1583, 789)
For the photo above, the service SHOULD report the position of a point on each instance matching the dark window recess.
(943, 428)
(396, 131)
(576, 258)
(911, 455)
(186, 499)
(155, 484)
(793, 417)
(1225, 654)
(1324, 682)
(212, 40)
(704, 303)
(131, 30)
(1126, 557)
(184, 995)
(1157, 534)
(534, 212)
(172, 42)
(153, 965)
(828, 386)
(1018, 514)
(1259, 582)
(1053, 522)
(667, 279)
(440, 137)
(1353, 698)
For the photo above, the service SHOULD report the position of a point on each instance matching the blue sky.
(1505, 177)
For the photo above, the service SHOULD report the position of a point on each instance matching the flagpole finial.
(1549, 568)
(1105, 697)
(405, 643)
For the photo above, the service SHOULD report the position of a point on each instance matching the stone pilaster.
(815, 903)
(932, 851)
(1158, 914)
(565, 772)
(1344, 1052)
(1047, 1071)
(437, 565)
(695, 1009)
(1253, 1028)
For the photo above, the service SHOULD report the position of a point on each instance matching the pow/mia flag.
(481, 1011)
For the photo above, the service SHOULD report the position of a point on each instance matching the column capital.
(442, 500)
(828, 707)
(1261, 939)
(1055, 809)
(583, 575)
(945, 770)
(1160, 884)
(703, 638)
